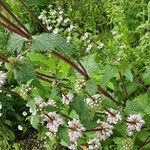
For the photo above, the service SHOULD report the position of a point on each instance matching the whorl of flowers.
(94, 101)
(73, 146)
(40, 102)
(94, 144)
(105, 130)
(134, 123)
(3, 77)
(75, 129)
(53, 121)
(51, 102)
(79, 85)
(113, 116)
(66, 99)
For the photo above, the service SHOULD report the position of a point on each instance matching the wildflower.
(24, 113)
(55, 31)
(66, 20)
(93, 101)
(100, 46)
(68, 39)
(79, 84)
(71, 28)
(0, 114)
(51, 102)
(3, 77)
(20, 127)
(85, 36)
(94, 144)
(66, 99)
(1, 105)
(39, 102)
(89, 47)
(113, 116)
(105, 131)
(134, 123)
(33, 111)
(73, 146)
(59, 20)
(75, 129)
(53, 121)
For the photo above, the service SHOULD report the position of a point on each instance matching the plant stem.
(3, 58)
(14, 17)
(124, 86)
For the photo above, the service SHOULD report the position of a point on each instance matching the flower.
(53, 121)
(79, 84)
(32, 111)
(100, 46)
(20, 127)
(49, 28)
(59, 20)
(94, 144)
(39, 102)
(93, 101)
(105, 131)
(3, 77)
(89, 47)
(51, 102)
(75, 129)
(68, 39)
(134, 123)
(55, 31)
(73, 146)
(24, 113)
(66, 20)
(1, 105)
(66, 99)
(85, 36)
(71, 28)
(113, 116)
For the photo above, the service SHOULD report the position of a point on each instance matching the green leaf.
(15, 43)
(35, 121)
(90, 64)
(91, 86)
(146, 77)
(128, 74)
(47, 42)
(109, 73)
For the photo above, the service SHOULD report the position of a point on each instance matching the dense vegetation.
(75, 75)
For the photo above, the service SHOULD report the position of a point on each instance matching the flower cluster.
(40, 102)
(3, 77)
(75, 129)
(53, 121)
(94, 144)
(66, 99)
(94, 101)
(134, 123)
(51, 103)
(79, 85)
(113, 116)
(105, 131)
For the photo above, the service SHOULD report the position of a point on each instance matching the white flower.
(122, 47)
(1, 105)
(3, 77)
(66, 20)
(59, 20)
(39, 102)
(85, 36)
(75, 129)
(53, 12)
(53, 121)
(24, 113)
(100, 46)
(94, 100)
(0, 114)
(55, 31)
(32, 111)
(49, 28)
(61, 12)
(20, 127)
(89, 47)
(66, 99)
(71, 28)
(134, 123)
(68, 39)
(105, 131)
(51, 102)
(79, 84)
(113, 116)
(73, 146)
(94, 144)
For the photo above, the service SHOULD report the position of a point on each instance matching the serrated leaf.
(47, 42)
(15, 43)
(146, 77)
(109, 73)
(128, 74)
(91, 86)
(35, 121)
(90, 64)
